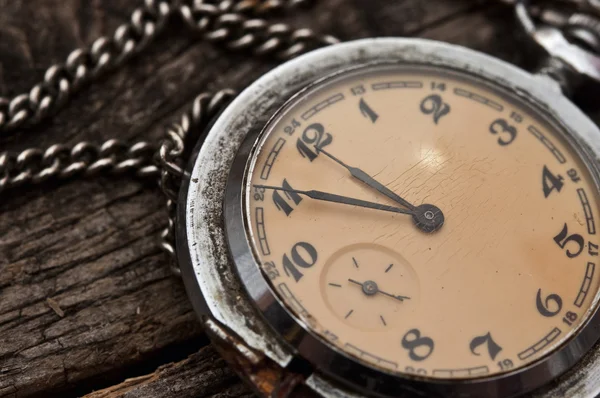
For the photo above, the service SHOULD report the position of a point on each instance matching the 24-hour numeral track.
(441, 102)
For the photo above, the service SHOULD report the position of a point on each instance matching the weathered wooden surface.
(86, 300)
(204, 372)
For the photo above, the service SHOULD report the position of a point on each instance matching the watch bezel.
(277, 88)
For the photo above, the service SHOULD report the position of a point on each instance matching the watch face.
(425, 222)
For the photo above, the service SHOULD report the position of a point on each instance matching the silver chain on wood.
(237, 25)
(579, 20)
(234, 24)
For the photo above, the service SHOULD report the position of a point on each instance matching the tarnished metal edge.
(209, 259)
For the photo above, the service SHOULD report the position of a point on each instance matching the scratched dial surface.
(425, 222)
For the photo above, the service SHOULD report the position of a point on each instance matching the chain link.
(83, 65)
(179, 137)
(578, 20)
(236, 25)
(34, 166)
(581, 27)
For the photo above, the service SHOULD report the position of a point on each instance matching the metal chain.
(237, 25)
(578, 20)
(34, 166)
(179, 137)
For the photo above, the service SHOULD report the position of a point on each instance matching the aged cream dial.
(423, 221)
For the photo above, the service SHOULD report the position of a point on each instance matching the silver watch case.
(225, 283)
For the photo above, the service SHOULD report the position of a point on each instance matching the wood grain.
(86, 299)
(203, 374)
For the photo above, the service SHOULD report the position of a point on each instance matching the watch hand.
(355, 282)
(370, 288)
(330, 197)
(370, 181)
(398, 297)
(428, 218)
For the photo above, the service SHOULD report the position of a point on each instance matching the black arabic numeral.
(314, 136)
(259, 194)
(270, 269)
(358, 90)
(304, 255)
(517, 117)
(281, 203)
(291, 128)
(569, 318)
(492, 347)
(592, 249)
(507, 132)
(329, 335)
(435, 105)
(415, 371)
(367, 111)
(505, 364)
(438, 86)
(551, 182)
(573, 175)
(419, 348)
(562, 240)
(545, 307)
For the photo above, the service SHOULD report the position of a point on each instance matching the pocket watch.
(400, 217)
(387, 217)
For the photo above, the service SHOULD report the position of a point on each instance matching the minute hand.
(330, 197)
(370, 181)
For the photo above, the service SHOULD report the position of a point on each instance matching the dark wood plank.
(86, 299)
(203, 374)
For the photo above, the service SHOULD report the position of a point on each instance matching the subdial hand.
(428, 218)
(370, 288)
(330, 197)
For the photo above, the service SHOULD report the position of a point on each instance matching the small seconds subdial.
(369, 287)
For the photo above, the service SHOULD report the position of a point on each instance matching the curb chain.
(236, 25)
(578, 20)
(233, 24)
(179, 137)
